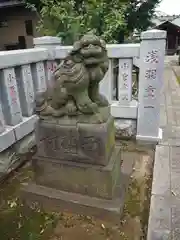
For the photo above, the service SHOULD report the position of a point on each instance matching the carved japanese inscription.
(152, 57)
(125, 80)
(64, 144)
(91, 143)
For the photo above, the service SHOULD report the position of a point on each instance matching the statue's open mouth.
(91, 52)
(93, 60)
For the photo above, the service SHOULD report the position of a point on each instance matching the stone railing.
(25, 72)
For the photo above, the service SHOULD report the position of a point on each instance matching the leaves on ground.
(21, 222)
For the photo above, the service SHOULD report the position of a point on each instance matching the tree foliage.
(111, 19)
(70, 19)
(139, 14)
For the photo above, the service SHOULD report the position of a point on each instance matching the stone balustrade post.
(151, 64)
(46, 42)
(49, 43)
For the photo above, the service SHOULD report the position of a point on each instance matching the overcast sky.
(170, 6)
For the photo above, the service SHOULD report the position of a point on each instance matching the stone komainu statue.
(76, 81)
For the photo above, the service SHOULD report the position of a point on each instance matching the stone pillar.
(39, 77)
(10, 97)
(46, 42)
(26, 89)
(152, 54)
(125, 81)
(2, 123)
(106, 85)
(49, 43)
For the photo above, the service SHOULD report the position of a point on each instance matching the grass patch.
(19, 221)
(136, 210)
(22, 222)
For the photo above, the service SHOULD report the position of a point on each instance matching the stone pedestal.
(87, 179)
(77, 166)
(76, 142)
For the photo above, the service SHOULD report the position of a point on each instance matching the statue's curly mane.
(77, 78)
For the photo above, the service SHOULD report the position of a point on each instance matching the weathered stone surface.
(175, 163)
(150, 84)
(175, 216)
(8, 159)
(160, 212)
(163, 114)
(161, 176)
(171, 136)
(159, 218)
(176, 234)
(7, 138)
(164, 220)
(175, 172)
(88, 143)
(86, 179)
(14, 156)
(10, 97)
(106, 209)
(26, 127)
(26, 144)
(160, 235)
(77, 78)
(125, 128)
(56, 200)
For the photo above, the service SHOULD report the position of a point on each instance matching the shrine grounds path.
(164, 219)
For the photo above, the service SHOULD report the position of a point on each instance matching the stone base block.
(124, 111)
(7, 138)
(26, 144)
(87, 179)
(8, 158)
(125, 129)
(76, 142)
(17, 154)
(63, 201)
(25, 127)
(56, 200)
(149, 139)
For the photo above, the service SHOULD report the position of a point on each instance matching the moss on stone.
(178, 79)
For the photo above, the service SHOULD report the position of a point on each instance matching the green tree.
(139, 14)
(70, 19)
(114, 20)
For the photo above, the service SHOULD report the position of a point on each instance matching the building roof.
(160, 20)
(10, 3)
(176, 21)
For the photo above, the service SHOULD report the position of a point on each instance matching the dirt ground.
(21, 222)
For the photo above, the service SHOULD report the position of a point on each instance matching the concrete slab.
(164, 218)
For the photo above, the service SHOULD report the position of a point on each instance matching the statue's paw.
(58, 112)
(71, 108)
(88, 108)
(47, 111)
